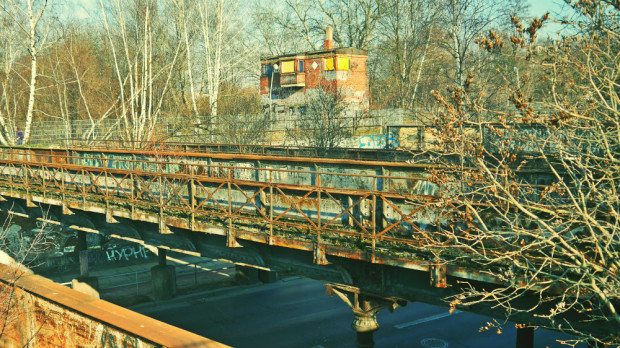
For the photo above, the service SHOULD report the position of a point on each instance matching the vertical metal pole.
(107, 189)
(192, 197)
(82, 247)
(83, 189)
(161, 256)
(374, 218)
(383, 220)
(230, 238)
(271, 207)
(318, 194)
(162, 220)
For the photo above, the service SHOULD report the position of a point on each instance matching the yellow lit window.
(344, 63)
(329, 64)
(288, 67)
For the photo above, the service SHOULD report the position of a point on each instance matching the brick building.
(289, 81)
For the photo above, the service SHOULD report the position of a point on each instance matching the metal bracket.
(319, 255)
(66, 210)
(231, 240)
(438, 274)
(163, 228)
(109, 217)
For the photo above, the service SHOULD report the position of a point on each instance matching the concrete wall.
(41, 313)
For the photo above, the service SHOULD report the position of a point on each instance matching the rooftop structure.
(289, 81)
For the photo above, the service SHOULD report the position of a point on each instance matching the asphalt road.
(297, 313)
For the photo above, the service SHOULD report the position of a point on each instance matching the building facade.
(289, 82)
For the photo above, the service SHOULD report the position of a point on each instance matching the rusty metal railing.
(257, 149)
(356, 215)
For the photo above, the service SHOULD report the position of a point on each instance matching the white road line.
(426, 320)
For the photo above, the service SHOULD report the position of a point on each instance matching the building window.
(300, 66)
(344, 63)
(288, 67)
(267, 69)
(329, 64)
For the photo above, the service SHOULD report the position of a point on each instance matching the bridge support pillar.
(84, 283)
(365, 309)
(246, 275)
(163, 278)
(268, 277)
(365, 324)
(525, 336)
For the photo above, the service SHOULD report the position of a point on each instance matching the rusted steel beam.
(232, 156)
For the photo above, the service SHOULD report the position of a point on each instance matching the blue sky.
(556, 8)
(540, 7)
(79, 8)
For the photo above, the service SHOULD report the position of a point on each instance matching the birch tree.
(406, 33)
(213, 32)
(463, 21)
(143, 73)
(21, 33)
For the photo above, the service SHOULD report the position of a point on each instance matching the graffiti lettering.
(378, 141)
(109, 341)
(124, 162)
(127, 253)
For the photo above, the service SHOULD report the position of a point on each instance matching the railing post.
(133, 186)
(383, 219)
(192, 196)
(162, 220)
(83, 189)
(231, 241)
(374, 219)
(271, 207)
(27, 183)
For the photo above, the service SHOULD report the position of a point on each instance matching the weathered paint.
(45, 314)
(358, 205)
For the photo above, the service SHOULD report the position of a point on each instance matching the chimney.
(328, 44)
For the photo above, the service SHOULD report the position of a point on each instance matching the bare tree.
(211, 30)
(406, 33)
(323, 124)
(143, 79)
(531, 198)
(20, 250)
(463, 21)
(20, 33)
(354, 21)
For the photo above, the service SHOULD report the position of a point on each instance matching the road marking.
(434, 343)
(425, 320)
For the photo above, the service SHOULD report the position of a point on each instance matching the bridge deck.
(375, 211)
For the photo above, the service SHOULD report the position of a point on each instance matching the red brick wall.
(356, 78)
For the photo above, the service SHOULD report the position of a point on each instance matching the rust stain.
(50, 315)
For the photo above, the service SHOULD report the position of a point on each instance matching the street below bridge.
(296, 312)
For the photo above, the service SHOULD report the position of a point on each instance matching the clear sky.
(80, 8)
(557, 10)
(540, 7)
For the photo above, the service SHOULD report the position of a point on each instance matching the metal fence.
(207, 129)
(58, 132)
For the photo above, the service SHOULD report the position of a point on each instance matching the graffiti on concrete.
(379, 141)
(108, 340)
(127, 253)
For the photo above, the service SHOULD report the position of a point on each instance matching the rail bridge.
(353, 218)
